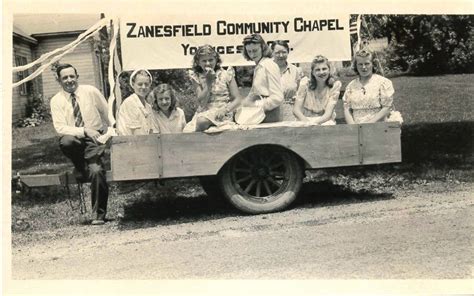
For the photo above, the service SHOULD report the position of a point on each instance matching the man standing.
(79, 115)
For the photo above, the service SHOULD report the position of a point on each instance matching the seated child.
(169, 117)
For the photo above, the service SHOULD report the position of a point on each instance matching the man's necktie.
(76, 111)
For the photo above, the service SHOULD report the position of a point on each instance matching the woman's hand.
(210, 75)
(220, 113)
(248, 102)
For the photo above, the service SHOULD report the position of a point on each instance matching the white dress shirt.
(93, 110)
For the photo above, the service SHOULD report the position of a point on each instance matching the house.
(35, 35)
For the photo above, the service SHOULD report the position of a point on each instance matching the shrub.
(36, 112)
(431, 44)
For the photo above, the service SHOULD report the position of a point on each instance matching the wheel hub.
(260, 172)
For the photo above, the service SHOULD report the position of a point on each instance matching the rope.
(55, 59)
(45, 56)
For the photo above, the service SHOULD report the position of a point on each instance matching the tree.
(426, 44)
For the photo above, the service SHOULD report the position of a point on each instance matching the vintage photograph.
(190, 143)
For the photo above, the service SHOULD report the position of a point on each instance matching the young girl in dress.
(316, 99)
(169, 117)
(216, 90)
(135, 116)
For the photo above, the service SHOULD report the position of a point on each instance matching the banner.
(169, 41)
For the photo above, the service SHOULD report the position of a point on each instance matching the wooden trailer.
(258, 170)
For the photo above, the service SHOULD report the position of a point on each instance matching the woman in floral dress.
(368, 98)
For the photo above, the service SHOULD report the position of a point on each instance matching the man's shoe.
(98, 222)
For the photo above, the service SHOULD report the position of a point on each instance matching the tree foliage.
(425, 44)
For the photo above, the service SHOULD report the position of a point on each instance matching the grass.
(437, 146)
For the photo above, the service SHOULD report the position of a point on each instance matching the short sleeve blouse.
(315, 103)
(377, 93)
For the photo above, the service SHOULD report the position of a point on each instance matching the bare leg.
(203, 124)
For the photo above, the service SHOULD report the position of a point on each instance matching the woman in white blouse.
(266, 91)
(135, 116)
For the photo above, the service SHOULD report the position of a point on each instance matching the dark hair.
(162, 88)
(376, 67)
(256, 39)
(283, 43)
(61, 67)
(203, 51)
(319, 59)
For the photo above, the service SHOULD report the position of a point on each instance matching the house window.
(21, 61)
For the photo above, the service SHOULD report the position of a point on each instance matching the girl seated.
(135, 116)
(216, 89)
(316, 99)
(169, 117)
(369, 97)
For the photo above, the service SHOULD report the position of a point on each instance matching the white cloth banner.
(169, 41)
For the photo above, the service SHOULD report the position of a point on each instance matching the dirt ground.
(419, 233)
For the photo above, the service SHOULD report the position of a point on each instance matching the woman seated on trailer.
(135, 116)
(266, 91)
(317, 97)
(216, 89)
(291, 76)
(369, 97)
(169, 117)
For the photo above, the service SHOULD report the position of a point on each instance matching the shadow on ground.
(448, 143)
(180, 209)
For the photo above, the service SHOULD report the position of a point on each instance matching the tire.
(262, 179)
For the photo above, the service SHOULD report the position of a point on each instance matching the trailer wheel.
(262, 179)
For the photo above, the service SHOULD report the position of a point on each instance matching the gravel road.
(419, 234)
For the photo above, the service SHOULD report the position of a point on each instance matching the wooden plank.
(44, 180)
(135, 157)
(41, 180)
(198, 154)
(381, 143)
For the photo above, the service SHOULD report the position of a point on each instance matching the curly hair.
(319, 59)
(256, 39)
(160, 89)
(205, 50)
(376, 66)
(283, 43)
